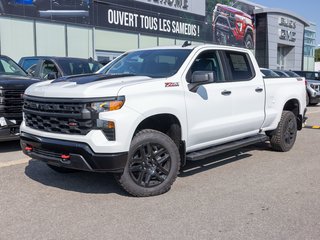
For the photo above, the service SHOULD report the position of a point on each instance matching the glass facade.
(310, 37)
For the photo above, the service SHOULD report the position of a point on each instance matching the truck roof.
(200, 46)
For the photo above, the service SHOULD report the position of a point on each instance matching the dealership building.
(105, 29)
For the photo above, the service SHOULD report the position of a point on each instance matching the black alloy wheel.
(150, 165)
(153, 164)
(290, 131)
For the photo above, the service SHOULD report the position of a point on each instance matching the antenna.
(186, 44)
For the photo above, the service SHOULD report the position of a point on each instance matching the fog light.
(108, 129)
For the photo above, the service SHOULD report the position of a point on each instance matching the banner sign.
(145, 22)
(191, 6)
(227, 22)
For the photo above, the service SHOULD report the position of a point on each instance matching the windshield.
(244, 7)
(156, 63)
(9, 67)
(313, 75)
(78, 66)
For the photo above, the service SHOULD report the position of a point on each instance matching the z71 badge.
(171, 84)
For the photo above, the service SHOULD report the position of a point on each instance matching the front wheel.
(284, 137)
(248, 41)
(152, 166)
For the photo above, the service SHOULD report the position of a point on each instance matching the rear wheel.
(152, 166)
(284, 136)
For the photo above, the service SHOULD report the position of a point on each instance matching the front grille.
(11, 102)
(59, 117)
(316, 87)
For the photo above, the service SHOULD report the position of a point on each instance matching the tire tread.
(122, 180)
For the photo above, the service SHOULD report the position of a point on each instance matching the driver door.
(209, 109)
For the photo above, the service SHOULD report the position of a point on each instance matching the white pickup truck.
(149, 111)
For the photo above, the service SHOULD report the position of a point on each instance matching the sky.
(308, 9)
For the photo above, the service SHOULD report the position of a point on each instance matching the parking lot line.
(13, 163)
(313, 127)
(313, 112)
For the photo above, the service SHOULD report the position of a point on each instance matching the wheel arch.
(168, 124)
(293, 105)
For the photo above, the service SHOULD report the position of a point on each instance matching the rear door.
(247, 91)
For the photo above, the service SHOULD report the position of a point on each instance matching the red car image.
(232, 26)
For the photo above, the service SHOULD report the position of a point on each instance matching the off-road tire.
(248, 41)
(62, 169)
(153, 159)
(283, 138)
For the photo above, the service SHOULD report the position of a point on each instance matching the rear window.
(74, 67)
(27, 63)
(240, 66)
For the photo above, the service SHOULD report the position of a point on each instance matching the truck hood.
(15, 82)
(313, 81)
(85, 86)
(234, 10)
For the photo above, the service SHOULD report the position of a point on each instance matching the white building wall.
(79, 42)
(16, 38)
(51, 39)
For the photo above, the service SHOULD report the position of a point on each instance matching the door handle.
(226, 93)
(259, 89)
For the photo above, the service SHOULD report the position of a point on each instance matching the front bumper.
(315, 99)
(80, 155)
(9, 131)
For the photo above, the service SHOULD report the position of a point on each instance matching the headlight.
(108, 105)
(311, 85)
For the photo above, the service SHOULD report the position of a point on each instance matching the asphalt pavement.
(252, 193)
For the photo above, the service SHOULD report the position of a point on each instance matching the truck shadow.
(83, 182)
(195, 167)
(10, 146)
(104, 183)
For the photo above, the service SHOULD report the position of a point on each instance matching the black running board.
(209, 152)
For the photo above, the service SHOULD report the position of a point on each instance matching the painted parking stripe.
(312, 127)
(13, 163)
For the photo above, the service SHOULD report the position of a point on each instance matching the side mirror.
(52, 75)
(200, 77)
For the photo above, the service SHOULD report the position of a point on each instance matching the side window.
(27, 63)
(207, 61)
(6, 67)
(241, 68)
(46, 68)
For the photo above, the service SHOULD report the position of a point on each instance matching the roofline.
(55, 57)
(281, 11)
(251, 3)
